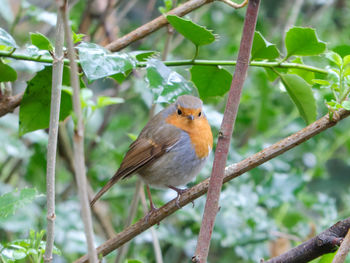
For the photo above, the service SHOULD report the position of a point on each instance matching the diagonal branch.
(155, 24)
(9, 103)
(343, 250)
(323, 243)
(231, 172)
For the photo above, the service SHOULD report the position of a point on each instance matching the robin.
(170, 150)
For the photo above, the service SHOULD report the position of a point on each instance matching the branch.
(323, 243)
(57, 72)
(231, 172)
(78, 140)
(227, 125)
(155, 24)
(343, 250)
(9, 103)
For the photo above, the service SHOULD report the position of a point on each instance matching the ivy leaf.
(302, 41)
(7, 73)
(166, 85)
(142, 55)
(301, 94)
(197, 34)
(97, 62)
(307, 75)
(34, 112)
(41, 41)
(6, 39)
(10, 202)
(263, 49)
(211, 81)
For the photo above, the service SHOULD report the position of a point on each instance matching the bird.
(170, 151)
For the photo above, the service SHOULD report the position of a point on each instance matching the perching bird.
(170, 150)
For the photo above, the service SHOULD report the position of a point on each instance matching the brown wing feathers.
(141, 152)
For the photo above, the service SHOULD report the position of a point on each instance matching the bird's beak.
(190, 117)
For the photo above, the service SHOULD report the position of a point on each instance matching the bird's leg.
(152, 207)
(179, 192)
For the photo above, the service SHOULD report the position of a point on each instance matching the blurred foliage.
(295, 195)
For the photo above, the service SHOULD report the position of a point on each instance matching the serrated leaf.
(302, 41)
(197, 34)
(77, 37)
(211, 81)
(103, 101)
(263, 49)
(6, 39)
(166, 85)
(346, 105)
(41, 41)
(321, 82)
(34, 111)
(10, 202)
(7, 73)
(301, 94)
(97, 62)
(305, 74)
(142, 56)
(335, 58)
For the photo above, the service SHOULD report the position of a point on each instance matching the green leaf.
(197, 34)
(211, 81)
(168, 5)
(301, 94)
(335, 58)
(34, 111)
(166, 85)
(10, 202)
(346, 105)
(104, 101)
(327, 258)
(347, 60)
(263, 49)
(141, 55)
(97, 62)
(6, 39)
(305, 74)
(7, 73)
(321, 82)
(120, 77)
(41, 41)
(77, 37)
(302, 41)
(342, 50)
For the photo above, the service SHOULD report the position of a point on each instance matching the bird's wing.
(147, 148)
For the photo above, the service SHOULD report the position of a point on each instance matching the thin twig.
(155, 24)
(78, 145)
(343, 250)
(155, 240)
(57, 73)
(227, 125)
(234, 4)
(123, 250)
(231, 172)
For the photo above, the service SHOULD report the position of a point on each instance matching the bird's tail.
(104, 189)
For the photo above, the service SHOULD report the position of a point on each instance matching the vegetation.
(299, 72)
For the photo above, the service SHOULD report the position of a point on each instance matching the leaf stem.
(184, 62)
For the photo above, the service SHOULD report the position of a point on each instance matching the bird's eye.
(179, 111)
(199, 114)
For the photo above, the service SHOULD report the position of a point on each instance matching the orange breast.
(199, 131)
